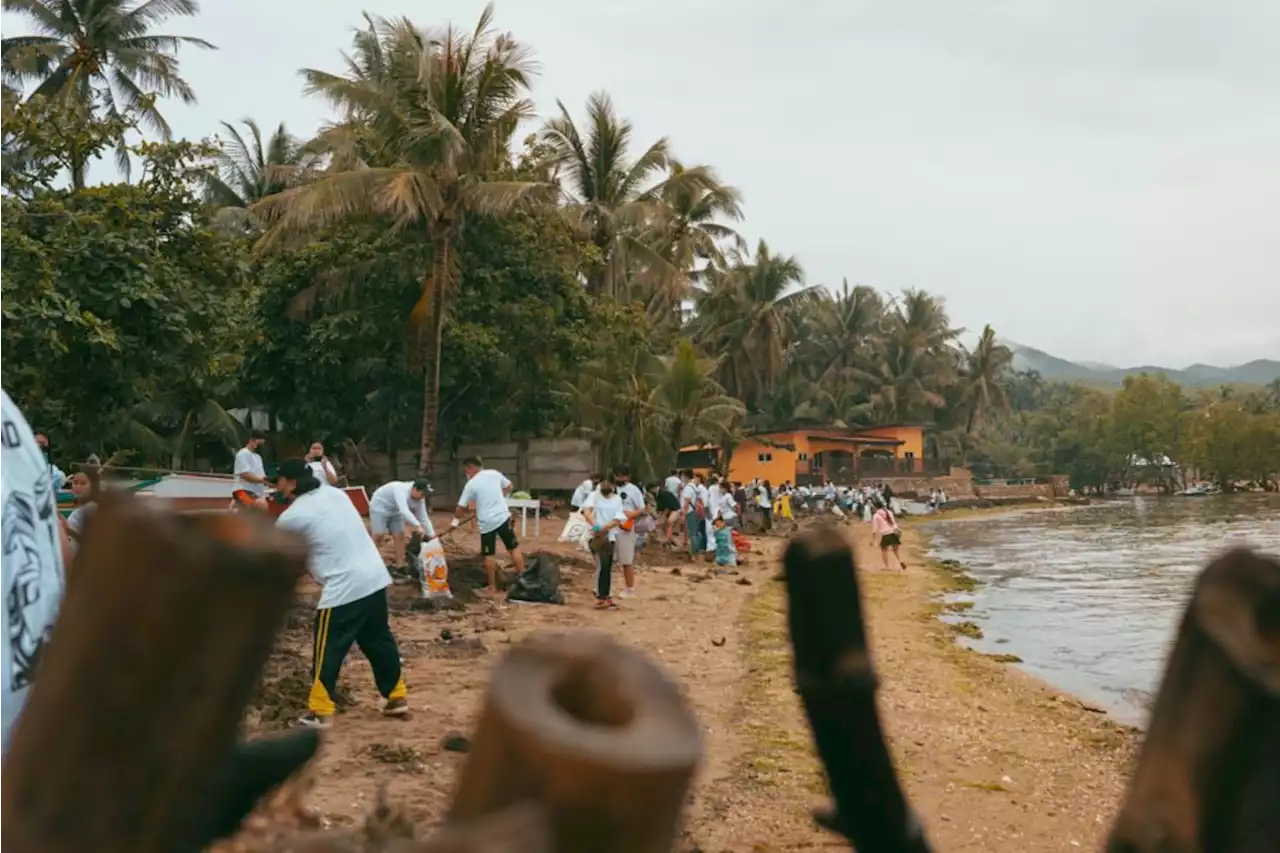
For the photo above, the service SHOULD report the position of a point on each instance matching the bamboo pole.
(127, 742)
(837, 683)
(1208, 779)
(592, 732)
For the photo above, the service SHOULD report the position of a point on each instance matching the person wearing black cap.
(397, 504)
(353, 606)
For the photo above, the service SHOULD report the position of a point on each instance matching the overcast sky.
(1095, 178)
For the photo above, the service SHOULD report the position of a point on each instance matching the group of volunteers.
(346, 562)
(344, 558)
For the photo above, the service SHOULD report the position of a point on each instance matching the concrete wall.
(540, 465)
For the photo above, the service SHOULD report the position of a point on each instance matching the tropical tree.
(607, 193)
(102, 54)
(689, 236)
(745, 315)
(427, 119)
(985, 379)
(688, 401)
(250, 170)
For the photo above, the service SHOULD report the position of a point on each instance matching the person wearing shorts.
(669, 506)
(485, 496)
(633, 507)
(395, 505)
(884, 525)
(249, 490)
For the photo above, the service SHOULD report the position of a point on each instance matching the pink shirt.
(883, 522)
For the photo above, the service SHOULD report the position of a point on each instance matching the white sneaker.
(627, 592)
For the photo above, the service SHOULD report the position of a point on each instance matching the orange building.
(816, 455)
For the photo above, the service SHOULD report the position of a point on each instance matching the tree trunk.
(432, 342)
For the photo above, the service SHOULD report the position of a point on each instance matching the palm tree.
(607, 192)
(985, 378)
(689, 235)
(249, 171)
(427, 119)
(687, 399)
(745, 315)
(101, 52)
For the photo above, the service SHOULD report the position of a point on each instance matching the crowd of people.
(702, 514)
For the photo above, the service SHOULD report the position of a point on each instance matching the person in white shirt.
(712, 502)
(353, 605)
(395, 505)
(321, 468)
(605, 514)
(729, 509)
(250, 488)
(33, 562)
(700, 513)
(485, 496)
(84, 485)
(584, 490)
(625, 539)
(669, 507)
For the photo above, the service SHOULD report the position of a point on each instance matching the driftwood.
(1209, 775)
(127, 742)
(837, 684)
(593, 732)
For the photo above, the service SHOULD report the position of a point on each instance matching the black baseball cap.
(293, 469)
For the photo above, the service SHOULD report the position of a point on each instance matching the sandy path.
(992, 759)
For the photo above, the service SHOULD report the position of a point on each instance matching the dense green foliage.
(403, 282)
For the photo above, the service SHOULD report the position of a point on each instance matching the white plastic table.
(524, 505)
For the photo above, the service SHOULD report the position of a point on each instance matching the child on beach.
(726, 555)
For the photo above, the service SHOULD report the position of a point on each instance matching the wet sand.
(992, 759)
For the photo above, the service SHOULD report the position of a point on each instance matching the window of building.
(764, 457)
(804, 457)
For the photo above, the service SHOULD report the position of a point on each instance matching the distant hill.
(1257, 372)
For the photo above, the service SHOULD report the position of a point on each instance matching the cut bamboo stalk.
(133, 715)
(1208, 778)
(593, 733)
(837, 683)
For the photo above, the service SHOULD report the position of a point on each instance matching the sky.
(1096, 179)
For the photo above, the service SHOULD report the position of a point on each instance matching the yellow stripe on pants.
(319, 702)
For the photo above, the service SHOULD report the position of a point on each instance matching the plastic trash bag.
(539, 583)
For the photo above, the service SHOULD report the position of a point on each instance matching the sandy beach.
(993, 759)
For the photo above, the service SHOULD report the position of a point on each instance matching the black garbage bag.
(539, 583)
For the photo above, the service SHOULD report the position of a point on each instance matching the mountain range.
(1257, 372)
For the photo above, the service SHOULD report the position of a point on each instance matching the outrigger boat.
(186, 491)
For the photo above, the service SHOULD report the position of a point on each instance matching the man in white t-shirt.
(584, 490)
(397, 504)
(712, 500)
(353, 606)
(250, 488)
(485, 496)
(669, 506)
(33, 561)
(625, 542)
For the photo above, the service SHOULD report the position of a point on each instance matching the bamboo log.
(1208, 778)
(837, 683)
(128, 736)
(592, 732)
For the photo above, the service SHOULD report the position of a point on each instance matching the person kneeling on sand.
(884, 525)
(353, 606)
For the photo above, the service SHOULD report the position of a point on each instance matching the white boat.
(191, 491)
(1199, 490)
